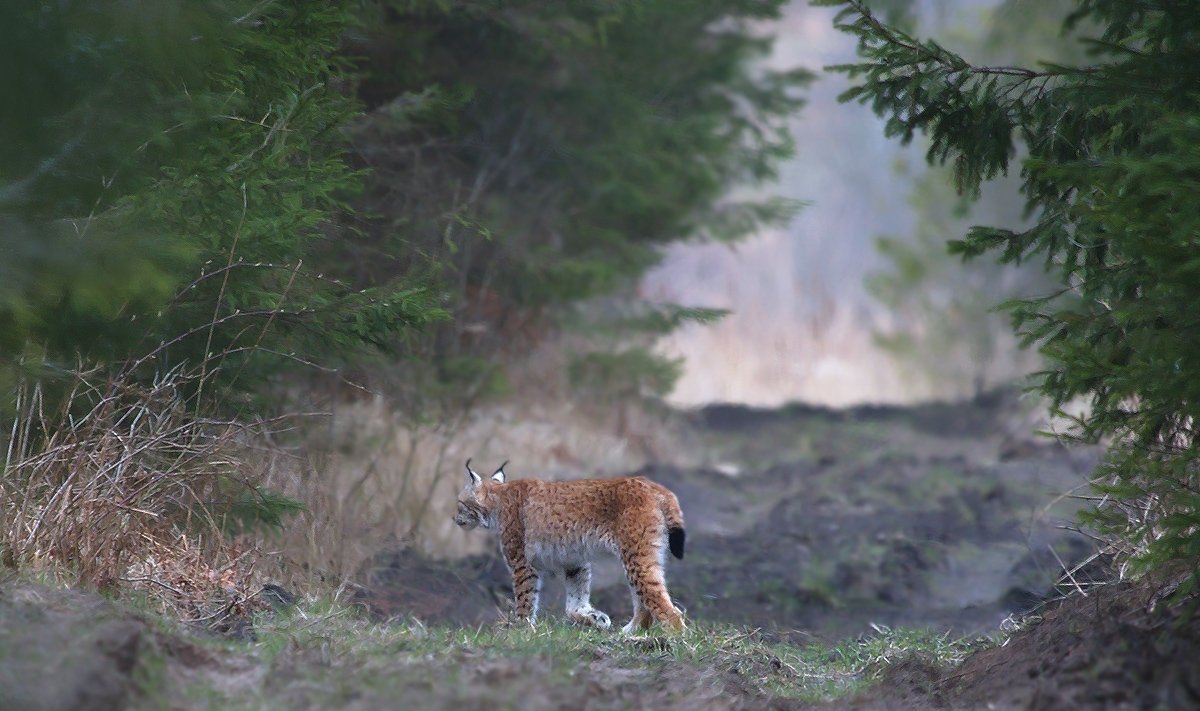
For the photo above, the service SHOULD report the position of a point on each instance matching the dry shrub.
(207, 583)
(126, 483)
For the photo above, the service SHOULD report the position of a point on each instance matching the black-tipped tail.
(675, 538)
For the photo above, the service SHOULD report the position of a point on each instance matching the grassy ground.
(61, 648)
(1121, 646)
(322, 656)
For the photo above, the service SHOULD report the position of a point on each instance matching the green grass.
(329, 654)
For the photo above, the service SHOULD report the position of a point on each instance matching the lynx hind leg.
(644, 571)
(578, 584)
(641, 619)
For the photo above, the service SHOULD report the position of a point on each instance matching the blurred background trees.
(172, 169)
(286, 183)
(537, 155)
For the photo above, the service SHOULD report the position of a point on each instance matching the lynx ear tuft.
(474, 478)
(499, 477)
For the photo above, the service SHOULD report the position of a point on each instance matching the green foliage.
(176, 187)
(257, 508)
(664, 318)
(944, 326)
(619, 317)
(615, 360)
(172, 169)
(1114, 155)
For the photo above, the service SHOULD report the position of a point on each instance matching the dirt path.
(823, 523)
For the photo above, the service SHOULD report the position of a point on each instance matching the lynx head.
(477, 502)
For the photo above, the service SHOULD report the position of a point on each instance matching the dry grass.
(126, 486)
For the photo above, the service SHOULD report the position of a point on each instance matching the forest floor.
(874, 558)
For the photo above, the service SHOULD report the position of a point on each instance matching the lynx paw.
(591, 618)
(512, 621)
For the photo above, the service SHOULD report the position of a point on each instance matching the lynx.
(550, 526)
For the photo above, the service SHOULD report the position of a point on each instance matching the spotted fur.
(547, 527)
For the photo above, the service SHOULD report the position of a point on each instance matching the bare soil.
(66, 649)
(817, 523)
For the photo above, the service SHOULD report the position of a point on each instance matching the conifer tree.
(543, 153)
(177, 182)
(944, 326)
(1111, 176)
(168, 170)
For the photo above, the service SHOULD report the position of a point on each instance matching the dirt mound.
(532, 682)
(1109, 650)
(904, 539)
(66, 649)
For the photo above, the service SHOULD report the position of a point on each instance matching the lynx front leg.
(527, 581)
(578, 583)
(527, 587)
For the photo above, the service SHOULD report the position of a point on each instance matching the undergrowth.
(130, 488)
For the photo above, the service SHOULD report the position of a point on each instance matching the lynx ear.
(498, 477)
(474, 478)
